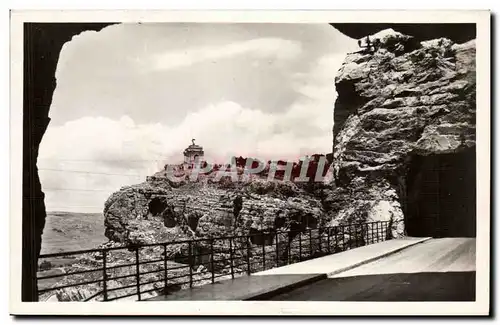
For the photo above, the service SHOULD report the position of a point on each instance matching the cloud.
(100, 155)
(279, 49)
(318, 82)
(159, 72)
(224, 129)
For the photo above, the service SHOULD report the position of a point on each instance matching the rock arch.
(42, 45)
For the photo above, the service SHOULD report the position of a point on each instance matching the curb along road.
(276, 291)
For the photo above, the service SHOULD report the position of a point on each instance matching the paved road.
(437, 270)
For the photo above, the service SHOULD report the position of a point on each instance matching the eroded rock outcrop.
(154, 211)
(396, 101)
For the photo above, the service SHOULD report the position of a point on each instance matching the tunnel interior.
(441, 195)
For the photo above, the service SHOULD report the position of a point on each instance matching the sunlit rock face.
(397, 100)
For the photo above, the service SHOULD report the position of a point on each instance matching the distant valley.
(69, 231)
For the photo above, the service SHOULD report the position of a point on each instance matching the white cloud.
(314, 83)
(279, 49)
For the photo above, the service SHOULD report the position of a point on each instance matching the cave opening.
(193, 220)
(157, 206)
(262, 237)
(441, 195)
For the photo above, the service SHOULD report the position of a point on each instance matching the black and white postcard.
(250, 163)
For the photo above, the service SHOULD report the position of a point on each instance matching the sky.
(130, 98)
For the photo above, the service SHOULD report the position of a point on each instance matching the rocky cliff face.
(396, 102)
(156, 211)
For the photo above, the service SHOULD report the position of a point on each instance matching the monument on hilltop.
(193, 154)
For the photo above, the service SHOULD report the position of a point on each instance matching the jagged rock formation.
(155, 211)
(397, 102)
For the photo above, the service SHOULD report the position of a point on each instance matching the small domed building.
(192, 154)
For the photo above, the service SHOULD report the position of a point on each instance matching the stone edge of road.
(264, 295)
(276, 291)
(372, 259)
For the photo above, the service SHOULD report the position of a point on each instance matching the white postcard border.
(479, 307)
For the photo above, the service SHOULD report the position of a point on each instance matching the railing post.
(337, 237)
(355, 235)
(277, 250)
(387, 231)
(212, 260)
(190, 261)
(289, 250)
(310, 244)
(165, 266)
(364, 234)
(374, 233)
(300, 246)
(137, 273)
(104, 276)
(231, 256)
(248, 256)
(263, 255)
(349, 243)
(357, 232)
(319, 240)
(381, 231)
(377, 234)
(328, 240)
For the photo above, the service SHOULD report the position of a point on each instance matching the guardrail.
(144, 271)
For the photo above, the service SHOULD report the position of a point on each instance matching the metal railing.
(144, 271)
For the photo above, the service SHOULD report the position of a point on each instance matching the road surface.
(436, 270)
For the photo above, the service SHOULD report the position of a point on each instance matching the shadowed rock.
(404, 99)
